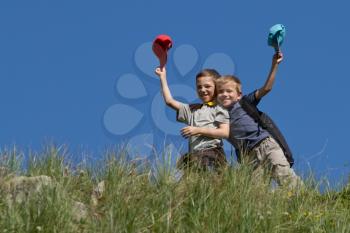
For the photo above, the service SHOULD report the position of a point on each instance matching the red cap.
(160, 47)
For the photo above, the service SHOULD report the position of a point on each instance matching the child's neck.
(210, 103)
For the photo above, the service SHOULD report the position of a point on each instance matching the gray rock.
(80, 211)
(97, 193)
(20, 188)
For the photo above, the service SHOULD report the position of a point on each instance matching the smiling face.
(206, 88)
(228, 93)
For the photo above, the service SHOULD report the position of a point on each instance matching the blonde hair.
(229, 78)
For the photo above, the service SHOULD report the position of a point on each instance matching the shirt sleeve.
(252, 99)
(184, 114)
(222, 115)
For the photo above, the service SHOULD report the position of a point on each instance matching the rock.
(80, 211)
(20, 188)
(97, 193)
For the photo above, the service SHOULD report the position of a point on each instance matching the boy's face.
(227, 94)
(205, 88)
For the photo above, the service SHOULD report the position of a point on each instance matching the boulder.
(80, 211)
(19, 188)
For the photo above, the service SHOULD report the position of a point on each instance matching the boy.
(209, 119)
(255, 144)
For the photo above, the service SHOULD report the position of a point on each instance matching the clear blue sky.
(66, 66)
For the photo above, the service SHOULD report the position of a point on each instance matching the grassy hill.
(130, 201)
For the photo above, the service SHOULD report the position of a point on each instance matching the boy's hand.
(189, 131)
(277, 58)
(161, 72)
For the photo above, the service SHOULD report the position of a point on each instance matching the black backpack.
(267, 123)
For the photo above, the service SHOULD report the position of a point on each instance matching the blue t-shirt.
(245, 133)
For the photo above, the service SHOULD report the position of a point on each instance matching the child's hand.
(189, 131)
(161, 72)
(277, 58)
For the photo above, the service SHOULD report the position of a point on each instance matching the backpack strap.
(252, 111)
(267, 123)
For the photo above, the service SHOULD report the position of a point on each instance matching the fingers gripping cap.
(160, 47)
(276, 36)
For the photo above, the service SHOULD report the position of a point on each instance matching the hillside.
(51, 195)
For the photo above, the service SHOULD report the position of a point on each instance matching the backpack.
(267, 123)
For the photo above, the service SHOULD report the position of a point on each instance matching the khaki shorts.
(269, 156)
(268, 152)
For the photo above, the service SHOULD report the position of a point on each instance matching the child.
(209, 119)
(255, 144)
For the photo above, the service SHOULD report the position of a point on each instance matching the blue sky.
(66, 66)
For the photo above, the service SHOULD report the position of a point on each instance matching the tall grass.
(231, 201)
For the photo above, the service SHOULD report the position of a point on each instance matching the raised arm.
(277, 58)
(169, 100)
(221, 132)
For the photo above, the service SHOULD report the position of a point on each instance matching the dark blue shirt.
(245, 133)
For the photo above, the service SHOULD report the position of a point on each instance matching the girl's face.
(206, 88)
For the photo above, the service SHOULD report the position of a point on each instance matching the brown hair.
(229, 78)
(208, 72)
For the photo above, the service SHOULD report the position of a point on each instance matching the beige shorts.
(269, 156)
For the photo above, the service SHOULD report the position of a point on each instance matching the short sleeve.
(252, 99)
(184, 114)
(222, 115)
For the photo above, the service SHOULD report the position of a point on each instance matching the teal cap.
(276, 36)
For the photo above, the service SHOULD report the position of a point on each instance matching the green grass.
(201, 202)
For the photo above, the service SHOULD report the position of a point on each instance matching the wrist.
(274, 66)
